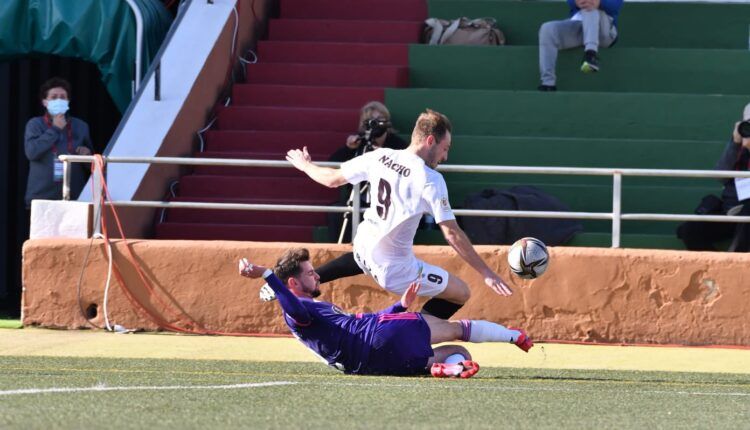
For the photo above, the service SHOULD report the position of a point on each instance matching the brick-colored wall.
(588, 294)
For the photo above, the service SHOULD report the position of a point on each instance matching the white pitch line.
(100, 388)
(475, 387)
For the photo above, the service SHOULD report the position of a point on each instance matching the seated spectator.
(50, 135)
(592, 23)
(701, 236)
(375, 131)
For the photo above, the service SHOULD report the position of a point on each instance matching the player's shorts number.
(435, 279)
(384, 198)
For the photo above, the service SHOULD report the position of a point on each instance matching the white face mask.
(57, 106)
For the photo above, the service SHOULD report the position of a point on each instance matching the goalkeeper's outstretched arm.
(290, 304)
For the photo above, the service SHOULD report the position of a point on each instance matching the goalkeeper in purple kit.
(389, 342)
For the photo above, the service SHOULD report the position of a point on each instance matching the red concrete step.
(288, 119)
(248, 171)
(329, 30)
(221, 216)
(276, 155)
(274, 188)
(258, 233)
(397, 10)
(304, 96)
(324, 142)
(275, 51)
(339, 75)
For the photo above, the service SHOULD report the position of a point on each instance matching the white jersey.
(402, 188)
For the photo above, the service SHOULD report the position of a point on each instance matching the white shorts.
(395, 276)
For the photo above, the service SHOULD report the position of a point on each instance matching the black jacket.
(345, 153)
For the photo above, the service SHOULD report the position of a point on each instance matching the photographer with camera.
(375, 131)
(735, 198)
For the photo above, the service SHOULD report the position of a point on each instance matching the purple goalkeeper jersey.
(342, 340)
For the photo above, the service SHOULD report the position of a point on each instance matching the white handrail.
(446, 168)
(616, 215)
(138, 42)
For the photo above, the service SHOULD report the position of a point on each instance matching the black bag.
(504, 231)
(709, 205)
(701, 235)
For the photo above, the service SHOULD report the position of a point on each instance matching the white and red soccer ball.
(528, 258)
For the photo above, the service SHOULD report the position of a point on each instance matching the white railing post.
(356, 203)
(138, 16)
(616, 208)
(98, 199)
(66, 179)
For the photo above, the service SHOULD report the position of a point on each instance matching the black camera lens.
(376, 127)
(743, 129)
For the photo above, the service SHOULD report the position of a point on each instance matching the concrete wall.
(588, 294)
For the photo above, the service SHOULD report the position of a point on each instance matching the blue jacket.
(39, 141)
(610, 7)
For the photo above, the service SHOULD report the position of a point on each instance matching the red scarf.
(68, 128)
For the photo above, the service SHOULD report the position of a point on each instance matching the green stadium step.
(663, 24)
(582, 152)
(598, 198)
(572, 114)
(645, 70)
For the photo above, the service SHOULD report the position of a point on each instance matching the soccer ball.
(528, 258)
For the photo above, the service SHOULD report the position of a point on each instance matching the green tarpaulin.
(100, 31)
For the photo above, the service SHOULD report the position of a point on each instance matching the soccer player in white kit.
(404, 186)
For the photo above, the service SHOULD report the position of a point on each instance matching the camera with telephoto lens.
(373, 128)
(743, 129)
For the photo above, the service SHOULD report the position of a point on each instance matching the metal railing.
(616, 216)
(138, 42)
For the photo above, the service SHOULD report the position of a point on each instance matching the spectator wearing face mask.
(50, 135)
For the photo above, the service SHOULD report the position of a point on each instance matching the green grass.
(10, 323)
(318, 397)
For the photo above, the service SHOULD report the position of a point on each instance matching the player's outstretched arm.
(301, 160)
(249, 270)
(288, 301)
(461, 243)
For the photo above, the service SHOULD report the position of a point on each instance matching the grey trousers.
(595, 29)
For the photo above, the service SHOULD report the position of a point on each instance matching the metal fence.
(616, 216)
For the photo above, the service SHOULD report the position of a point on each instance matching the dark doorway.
(19, 85)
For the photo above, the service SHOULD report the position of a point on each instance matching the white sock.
(454, 359)
(485, 331)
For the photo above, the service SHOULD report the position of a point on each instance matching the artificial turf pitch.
(131, 390)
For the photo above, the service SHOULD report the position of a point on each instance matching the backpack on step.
(463, 31)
